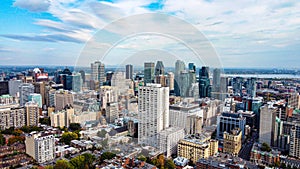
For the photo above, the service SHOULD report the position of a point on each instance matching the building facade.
(232, 141)
(153, 112)
(32, 113)
(229, 121)
(98, 72)
(25, 90)
(149, 72)
(40, 146)
(168, 140)
(267, 125)
(188, 116)
(129, 72)
(204, 83)
(294, 150)
(195, 147)
(12, 117)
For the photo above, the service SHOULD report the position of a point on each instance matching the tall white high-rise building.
(25, 90)
(267, 132)
(98, 72)
(153, 109)
(40, 146)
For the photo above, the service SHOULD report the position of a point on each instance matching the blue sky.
(245, 33)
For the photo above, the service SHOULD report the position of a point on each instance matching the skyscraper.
(192, 67)
(129, 72)
(32, 113)
(216, 87)
(237, 84)
(267, 124)
(153, 109)
(98, 72)
(184, 83)
(148, 72)
(4, 87)
(13, 86)
(170, 81)
(159, 68)
(251, 87)
(25, 90)
(204, 83)
(82, 73)
(76, 82)
(179, 67)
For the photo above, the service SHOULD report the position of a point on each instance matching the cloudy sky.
(248, 33)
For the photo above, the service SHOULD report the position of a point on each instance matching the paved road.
(246, 147)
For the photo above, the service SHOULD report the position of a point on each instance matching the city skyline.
(261, 34)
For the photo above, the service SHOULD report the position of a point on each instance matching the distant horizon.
(116, 66)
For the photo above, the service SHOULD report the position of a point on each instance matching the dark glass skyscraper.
(148, 72)
(179, 68)
(129, 71)
(204, 83)
(159, 68)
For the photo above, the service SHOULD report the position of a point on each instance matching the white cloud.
(245, 25)
(33, 5)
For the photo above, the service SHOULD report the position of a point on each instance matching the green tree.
(154, 161)
(2, 140)
(161, 161)
(63, 164)
(277, 164)
(107, 155)
(15, 139)
(45, 120)
(67, 137)
(28, 129)
(170, 164)
(74, 126)
(283, 165)
(78, 162)
(89, 159)
(49, 167)
(142, 158)
(8, 131)
(101, 133)
(265, 147)
(17, 132)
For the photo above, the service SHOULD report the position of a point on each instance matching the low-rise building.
(261, 157)
(194, 147)
(181, 161)
(232, 141)
(224, 161)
